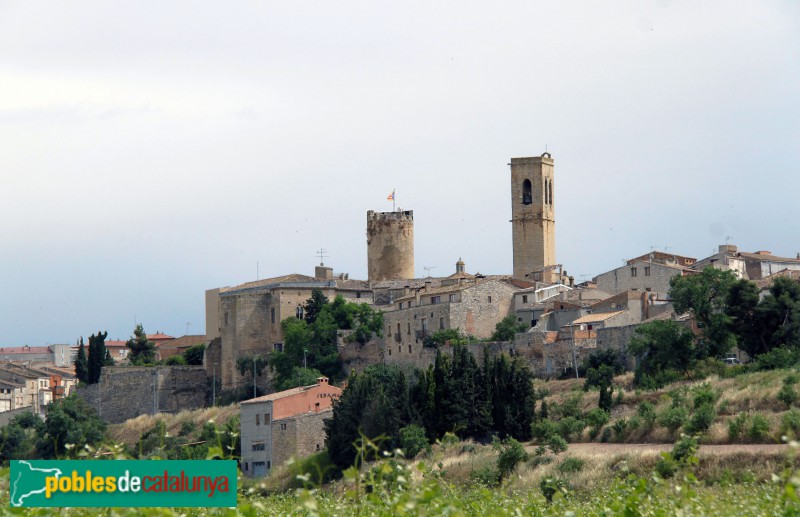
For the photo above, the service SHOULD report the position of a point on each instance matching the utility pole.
(254, 376)
(574, 357)
(214, 387)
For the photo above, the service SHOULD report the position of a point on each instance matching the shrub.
(543, 429)
(186, 428)
(571, 407)
(666, 466)
(606, 436)
(647, 411)
(736, 426)
(175, 360)
(702, 419)
(759, 428)
(551, 486)
(619, 398)
(685, 449)
(512, 453)
(704, 394)
(571, 465)
(570, 427)
(655, 380)
(634, 423)
(673, 418)
(487, 476)
(791, 423)
(413, 440)
(620, 428)
(780, 357)
(787, 393)
(557, 444)
(596, 419)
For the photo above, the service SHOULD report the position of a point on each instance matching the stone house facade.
(286, 424)
(250, 314)
(473, 307)
(641, 276)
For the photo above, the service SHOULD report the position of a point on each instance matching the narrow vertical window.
(272, 315)
(550, 190)
(527, 197)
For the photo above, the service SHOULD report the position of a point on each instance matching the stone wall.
(124, 393)
(298, 436)
(617, 338)
(390, 245)
(640, 276)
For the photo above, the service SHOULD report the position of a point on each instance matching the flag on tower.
(390, 197)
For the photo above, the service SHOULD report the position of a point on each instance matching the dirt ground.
(592, 449)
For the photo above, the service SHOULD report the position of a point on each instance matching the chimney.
(762, 252)
(322, 380)
(325, 273)
(416, 298)
(427, 285)
(406, 290)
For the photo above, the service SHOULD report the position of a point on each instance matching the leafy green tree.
(440, 337)
(706, 295)
(175, 360)
(299, 377)
(97, 357)
(413, 440)
(18, 437)
(194, 354)
(607, 356)
(775, 321)
(69, 421)
(507, 327)
(143, 351)
(663, 345)
(603, 378)
(82, 364)
(314, 306)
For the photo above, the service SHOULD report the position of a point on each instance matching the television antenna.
(322, 256)
(428, 270)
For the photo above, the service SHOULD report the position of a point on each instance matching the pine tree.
(81, 364)
(143, 351)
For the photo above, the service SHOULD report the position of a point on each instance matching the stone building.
(533, 218)
(643, 276)
(749, 266)
(473, 306)
(283, 425)
(250, 314)
(390, 245)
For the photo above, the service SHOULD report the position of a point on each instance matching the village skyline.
(151, 153)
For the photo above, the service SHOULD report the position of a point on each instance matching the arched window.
(527, 198)
(545, 190)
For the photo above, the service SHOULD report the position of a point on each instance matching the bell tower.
(533, 218)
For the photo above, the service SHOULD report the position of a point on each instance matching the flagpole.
(393, 200)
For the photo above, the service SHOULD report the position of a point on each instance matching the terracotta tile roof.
(770, 257)
(594, 318)
(767, 281)
(159, 336)
(184, 341)
(454, 288)
(112, 344)
(280, 394)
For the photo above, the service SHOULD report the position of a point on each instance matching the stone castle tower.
(533, 218)
(390, 245)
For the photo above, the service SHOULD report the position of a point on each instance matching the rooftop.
(596, 318)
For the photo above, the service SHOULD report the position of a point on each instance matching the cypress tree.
(97, 356)
(81, 364)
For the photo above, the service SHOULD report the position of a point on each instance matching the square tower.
(533, 218)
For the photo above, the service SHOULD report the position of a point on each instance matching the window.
(259, 447)
(524, 298)
(453, 297)
(408, 330)
(283, 427)
(266, 418)
(409, 349)
(489, 299)
(358, 295)
(435, 300)
(401, 305)
(390, 351)
(389, 330)
(298, 312)
(647, 271)
(398, 329)
(410, 303)
(272, 315)
(278, 347)
(589, 327)
(226, 318)
(527, 198)
(245, 466)
(258, 419)
(424, 325)
(269, 464)
(441, 323)
(633, 271)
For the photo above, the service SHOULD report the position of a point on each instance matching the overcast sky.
(153, 150)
